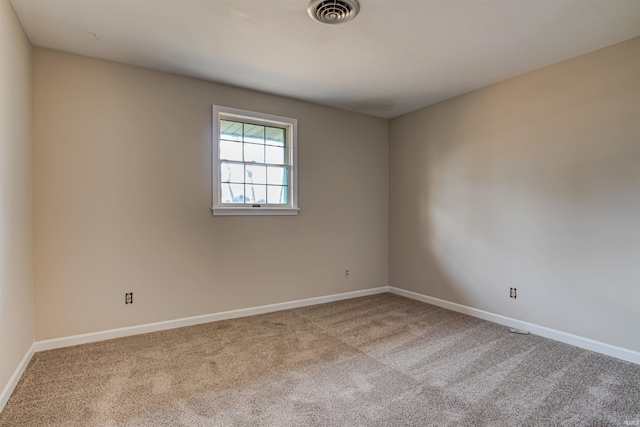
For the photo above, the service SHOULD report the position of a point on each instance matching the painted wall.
(532, 183)
(122, 198)
(16, 267)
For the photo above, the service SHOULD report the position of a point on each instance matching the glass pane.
(253, 133)
(231, 131)
(254, 153)
(231, 172)
(230, 150)
(276, 175)
(256, 194)
(277, 194)
(275, 155)
(232, 193)
(256, 174)
(275, 136)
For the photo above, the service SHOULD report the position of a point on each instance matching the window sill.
(254, 211)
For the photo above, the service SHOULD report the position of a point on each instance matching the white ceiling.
(396, 56)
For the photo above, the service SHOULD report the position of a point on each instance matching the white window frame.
(291, 127)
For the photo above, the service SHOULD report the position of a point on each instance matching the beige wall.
(532, 183)
(122, 198)
(16, 271)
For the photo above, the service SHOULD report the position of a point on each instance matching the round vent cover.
(333, 11)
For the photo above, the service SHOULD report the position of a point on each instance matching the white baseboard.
(196, 320)
(575, 340)
(5, 394)
(586, 343)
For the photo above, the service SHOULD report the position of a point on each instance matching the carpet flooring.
(381, 360)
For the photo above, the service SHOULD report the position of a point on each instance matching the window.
(254, 159)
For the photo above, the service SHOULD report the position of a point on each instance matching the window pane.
(275, 155)
(276, 175)
(231, 172)
(232, 193)
(256, 193)
(253, 133)
(231, 131)
(256, 174)
(254, 153)
(275, 136)
(277, 194)
(230, 150)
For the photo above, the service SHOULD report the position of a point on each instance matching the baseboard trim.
(575, 340)
(586, 343)
(6, 392)
(196, 320)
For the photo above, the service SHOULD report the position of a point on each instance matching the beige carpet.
(381, 360)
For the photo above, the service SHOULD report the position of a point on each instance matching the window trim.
(291, 126)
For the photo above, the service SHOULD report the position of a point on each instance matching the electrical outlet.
(347, 273)
(128, 298)
(512, 292)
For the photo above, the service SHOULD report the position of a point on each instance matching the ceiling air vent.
(333, 11)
